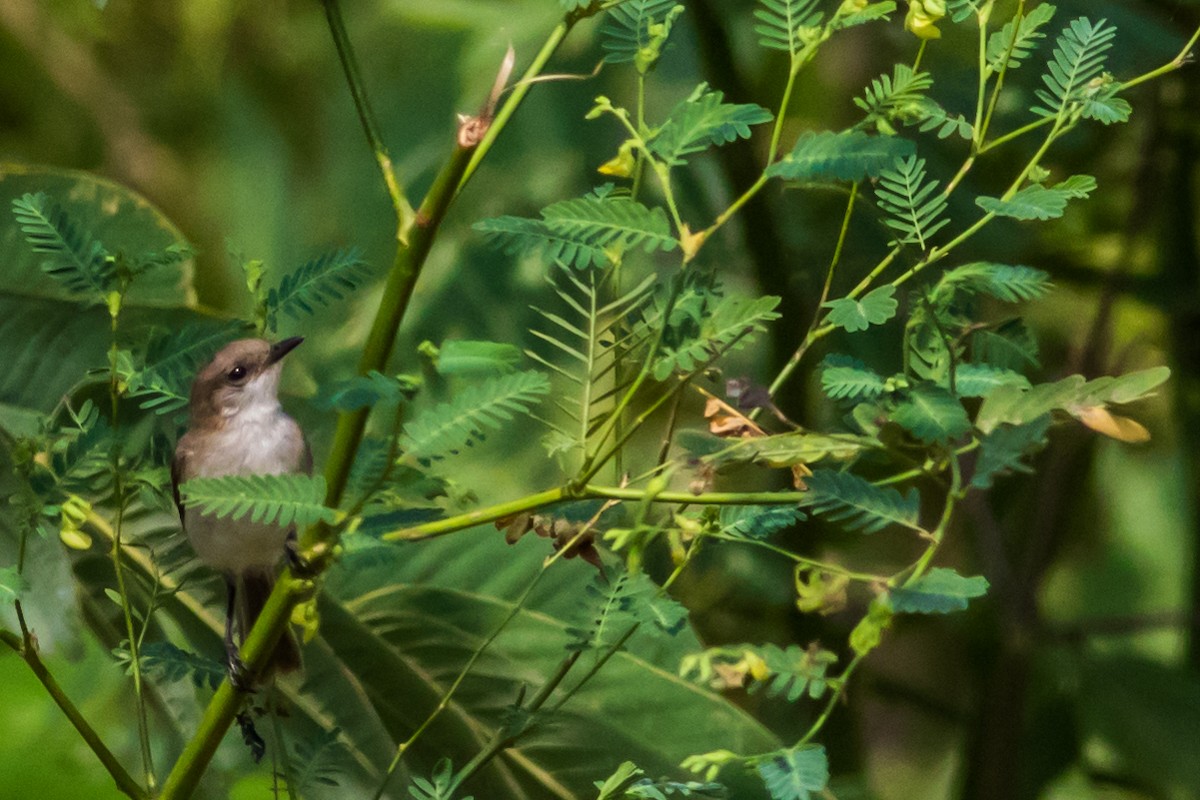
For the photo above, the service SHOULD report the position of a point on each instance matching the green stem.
(509, 107)
(1176, 63)
(832, 702)
(219, 714)
(366, 115)
(794, 361)
(26, 648)
(981, 129)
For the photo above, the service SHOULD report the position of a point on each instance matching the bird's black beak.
(281, 349)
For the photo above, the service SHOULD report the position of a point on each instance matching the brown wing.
(178, 469)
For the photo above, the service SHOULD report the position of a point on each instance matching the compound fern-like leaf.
(795, 774)
(317, 283)
(1079, 57)
(81, 264)
(702, 120)
(448, 427)
(913, 204)
(1018, 38)
(857, 504)
(629, 29)
(786, 24)
(282, 500)
(839, 156)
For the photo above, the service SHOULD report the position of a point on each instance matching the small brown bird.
(237, 427)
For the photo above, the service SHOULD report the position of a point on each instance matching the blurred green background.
(1078, 677)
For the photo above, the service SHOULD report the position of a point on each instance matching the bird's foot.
(300, 566)
(239, 674)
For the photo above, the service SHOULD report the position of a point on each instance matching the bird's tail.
(256, 587)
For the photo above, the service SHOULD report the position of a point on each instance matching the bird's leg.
(300, 566)
(239, 676)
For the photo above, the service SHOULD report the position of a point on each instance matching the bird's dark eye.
(237, 373)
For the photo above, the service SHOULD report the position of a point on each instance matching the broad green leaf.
(932, 414)
(1040, 202)
(978, 380)
(795, 774)
(1010, 346)
(939, 591)
(47, 340)
(858, 505)
(12, 585)
(363, 391)
(703, 120)
(874, 308)
(465, 358)
(839, 156)
(1017, 406)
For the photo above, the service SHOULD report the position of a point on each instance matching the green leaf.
(165, 662)
(730, 325)
(787, 24)
(1010, 346)
(703, 120)
(318, 763)
(932, 414)
(869, 13)
(895, 96)
(283, 500)
(585, 232)
(316, 284)
(939, 591)
(628, 782)
(634, 31)
(792, 672)
(1022, 36)
(615, 604)
(1102, 104)
(1040, 202)
(1005, 447)
(1016, 406)
(1012, 284)
(795, 774)
(81, 264)
(364, 391)
(874, 308)
(758, 522)
(840, 156)
(439, 785)
(12, 585)
(978, 380)
(448, 427)
(913, 205)
(846, 378)
(931, 116)
(164, 378)
(1079, 57)
(465, 358)
(780, 450)
(858, 505)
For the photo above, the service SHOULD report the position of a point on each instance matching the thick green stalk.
(219, 715)
(397, 294)
(27, 650)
